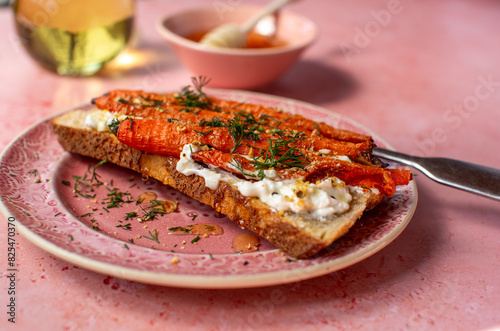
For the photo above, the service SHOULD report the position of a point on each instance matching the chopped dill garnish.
(124, 226)
(148, 103)
(237, 164)
(280, 154)
(195, 239)
(83, 185)
(153, 103)
(153, 237)
(126, 102)
(95, 176)
(204, 133)
(215, 122)
(151, 212)
(130, 216)
(180, 228)
(239, 130)
(115, 198)
(114, 125)
(34, 172)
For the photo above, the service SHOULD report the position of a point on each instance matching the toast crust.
(295, 235)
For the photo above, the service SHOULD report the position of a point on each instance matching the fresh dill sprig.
(196, 98)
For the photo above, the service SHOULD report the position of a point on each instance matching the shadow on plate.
(314, 82)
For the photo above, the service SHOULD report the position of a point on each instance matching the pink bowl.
(236, 68)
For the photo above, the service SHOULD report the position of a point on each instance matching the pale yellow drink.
(74, 37)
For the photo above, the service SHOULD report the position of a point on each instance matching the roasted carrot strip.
(226, 161)
(356, 174)
(165, 138)
(167, 123)
(122, 100)
(168, 138)
(135, 103)
(296, 122)
(353, 174)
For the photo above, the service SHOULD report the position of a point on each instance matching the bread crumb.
(281, 212)
(37, 180)
(138, 236)
(175, 260)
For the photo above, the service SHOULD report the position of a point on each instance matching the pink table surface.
(426, 77)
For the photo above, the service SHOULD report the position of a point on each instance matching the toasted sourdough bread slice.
(296, 235)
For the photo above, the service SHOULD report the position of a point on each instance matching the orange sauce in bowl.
(254, 40)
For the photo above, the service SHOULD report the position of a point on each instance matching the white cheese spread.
(100, 119)
(324, 198)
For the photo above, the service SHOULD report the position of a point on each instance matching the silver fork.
(474, 178)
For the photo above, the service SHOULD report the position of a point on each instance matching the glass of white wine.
(74, 37)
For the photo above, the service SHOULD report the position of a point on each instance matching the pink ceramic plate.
(37, 189)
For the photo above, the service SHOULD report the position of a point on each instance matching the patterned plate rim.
(301, 272)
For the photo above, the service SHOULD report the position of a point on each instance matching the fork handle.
(474, 178)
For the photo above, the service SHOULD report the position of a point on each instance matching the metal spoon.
(233, 35)
(474, 178)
